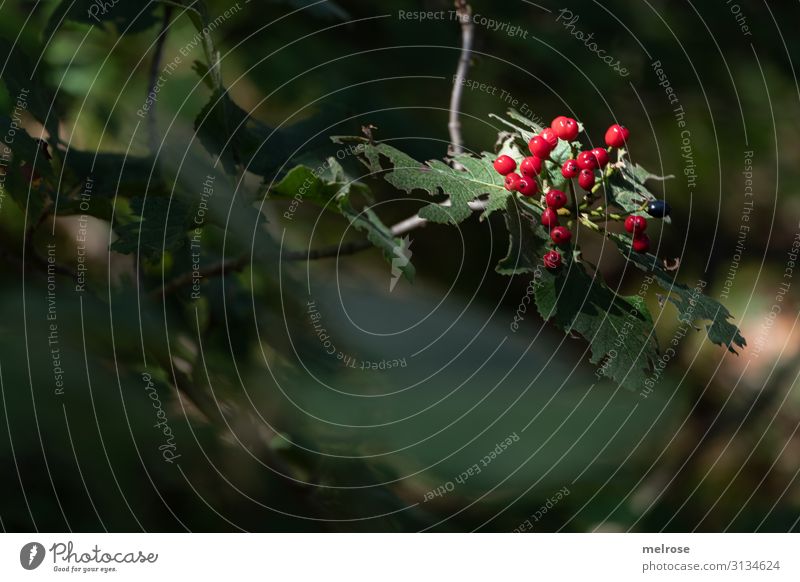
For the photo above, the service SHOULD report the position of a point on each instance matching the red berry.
(601, 155)
(636, 225)
(586, 179)
(548, 135)
(505, 165)
(641, 243)
(555, 199)
(617, 135)
(565, 127)
(540, 147)
(527, 187)
(531, 166)
(552, 259)
(549, 218)
(512, 182)
(560, 235)
(570, 169)
(586, 161)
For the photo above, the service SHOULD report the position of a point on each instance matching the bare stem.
(464, 12)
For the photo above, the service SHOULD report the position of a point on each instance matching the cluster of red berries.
(583, 167)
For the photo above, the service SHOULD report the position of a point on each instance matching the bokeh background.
(274, 434)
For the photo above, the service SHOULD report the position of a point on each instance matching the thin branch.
(155, 68)
(221, 268)
(464, 12)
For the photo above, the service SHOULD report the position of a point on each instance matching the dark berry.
(641, 243)
(527, 187)
(658, 209)
(552, 259)
(617, 135)
(601, 155)
(531, 166)
(540, 147)
(636, 225)
(505, 165)
(512, 182)
(587, 161)
(549, 218)
(560, 235)
(555, 199)
(548, 135)
(566, 128)
(586, 179)
(570, 169)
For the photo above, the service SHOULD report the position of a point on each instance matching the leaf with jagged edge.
(627, 187)
(619, 329)
(394, 249)
(692, 304)
(332, 189)
(478, 178)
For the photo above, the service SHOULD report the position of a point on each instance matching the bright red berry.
(512, 182)
(552, 259)
(555, 199)
(556, 123)
(601, 155)
(586, 161)
(505, 165)
(565, 127)
(548, 135)
(570, 169)
(586, 179)
(641, 243)
(540, 147)
(527, 187)
(617, 135)
(549, 218)
(531, 166)
(636, 225)
(560, 235)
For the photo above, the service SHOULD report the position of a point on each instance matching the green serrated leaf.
(330, 186)
(692, 304)
(528, 240)
(477, 179)
(161, 226)
(395, 250)
(628, 190)
(619, 329)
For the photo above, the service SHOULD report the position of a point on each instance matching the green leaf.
(619, 329)
(478, 178)
(627, 187)
(317, 186)
(329, 186)
(691, 303)
(27, 161)
(528, 240)
(395, 250)
(26, 87)
(161, 226)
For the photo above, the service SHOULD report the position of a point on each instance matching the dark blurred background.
(273, 433)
